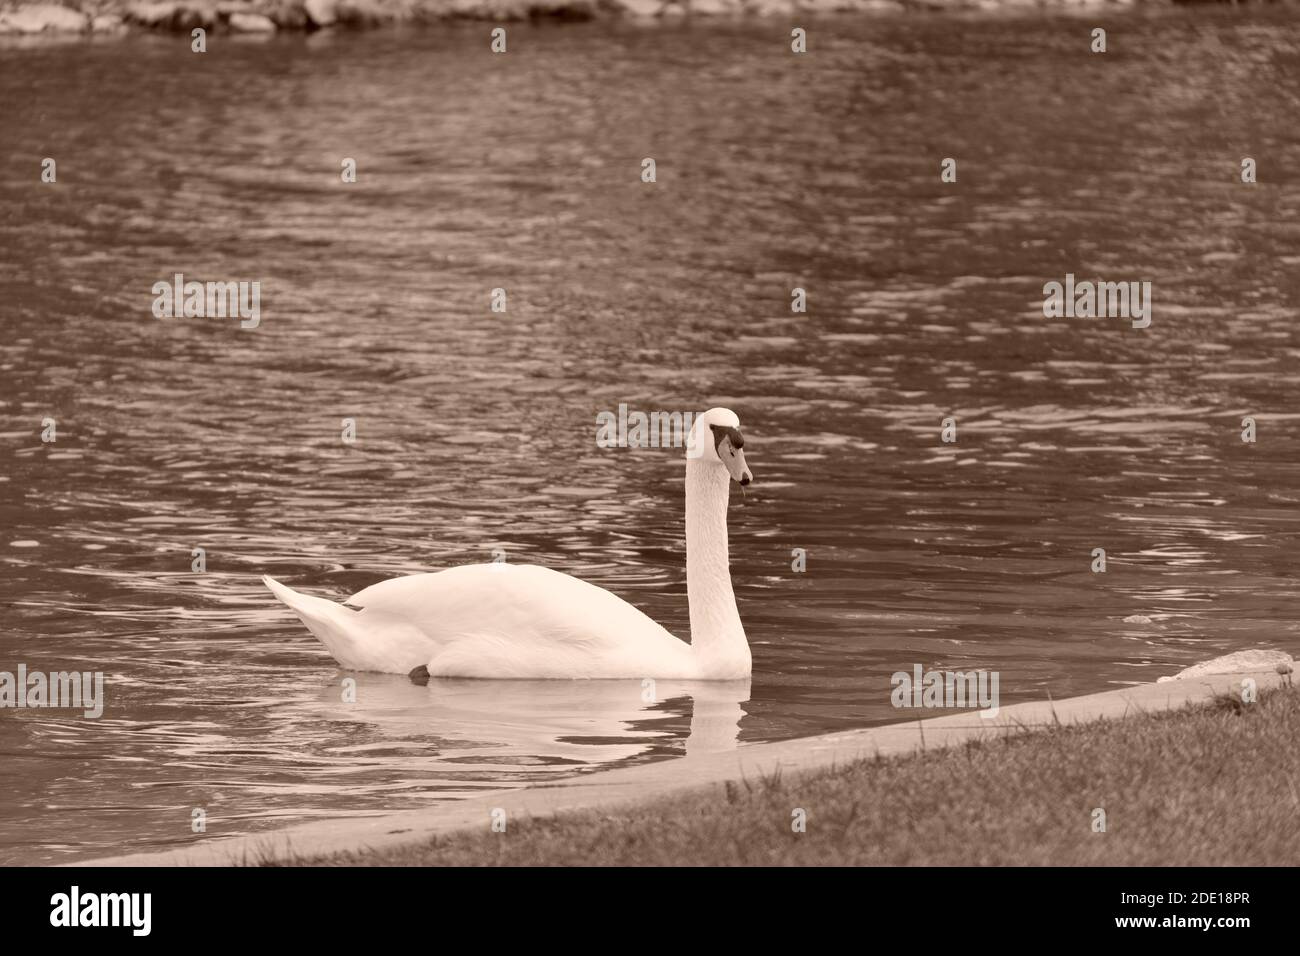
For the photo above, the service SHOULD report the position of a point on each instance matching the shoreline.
(707, 774)
(67, 18)
(1094, 794)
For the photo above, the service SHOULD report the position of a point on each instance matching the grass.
(1210, 785)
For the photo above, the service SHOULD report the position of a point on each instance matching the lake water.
(475, 430)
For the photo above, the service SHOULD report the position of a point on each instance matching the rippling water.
(476, 431)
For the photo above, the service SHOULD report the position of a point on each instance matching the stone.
(182, 17)
(251, 23)
(500, 10)
(826, 6)
(1237, 662)
(151, 14)
(564, 9)
(107, 23)
(714, 8)
(772, 8)
(640, 8)
(360, 13)
(287, 15)
(321, 13)
(191, 15)
(42, 18)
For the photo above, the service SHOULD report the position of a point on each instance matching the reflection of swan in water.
(525, 622)
(515, 726)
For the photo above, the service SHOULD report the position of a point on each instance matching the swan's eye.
(732, 436)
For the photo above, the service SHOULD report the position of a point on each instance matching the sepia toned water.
(476, 431)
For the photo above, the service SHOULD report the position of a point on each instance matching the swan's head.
(716, 441)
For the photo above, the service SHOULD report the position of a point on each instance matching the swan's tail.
(331, 623)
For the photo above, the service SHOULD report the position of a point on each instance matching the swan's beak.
(730, 444)
(734, 459)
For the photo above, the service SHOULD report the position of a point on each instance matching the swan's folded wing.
(502, 620)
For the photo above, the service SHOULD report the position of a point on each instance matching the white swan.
(527, 622)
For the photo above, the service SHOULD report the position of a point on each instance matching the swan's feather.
(494, 620)
(368, 640)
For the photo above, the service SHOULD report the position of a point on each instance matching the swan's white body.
(528, 622)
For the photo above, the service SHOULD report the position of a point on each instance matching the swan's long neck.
(717, 637)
